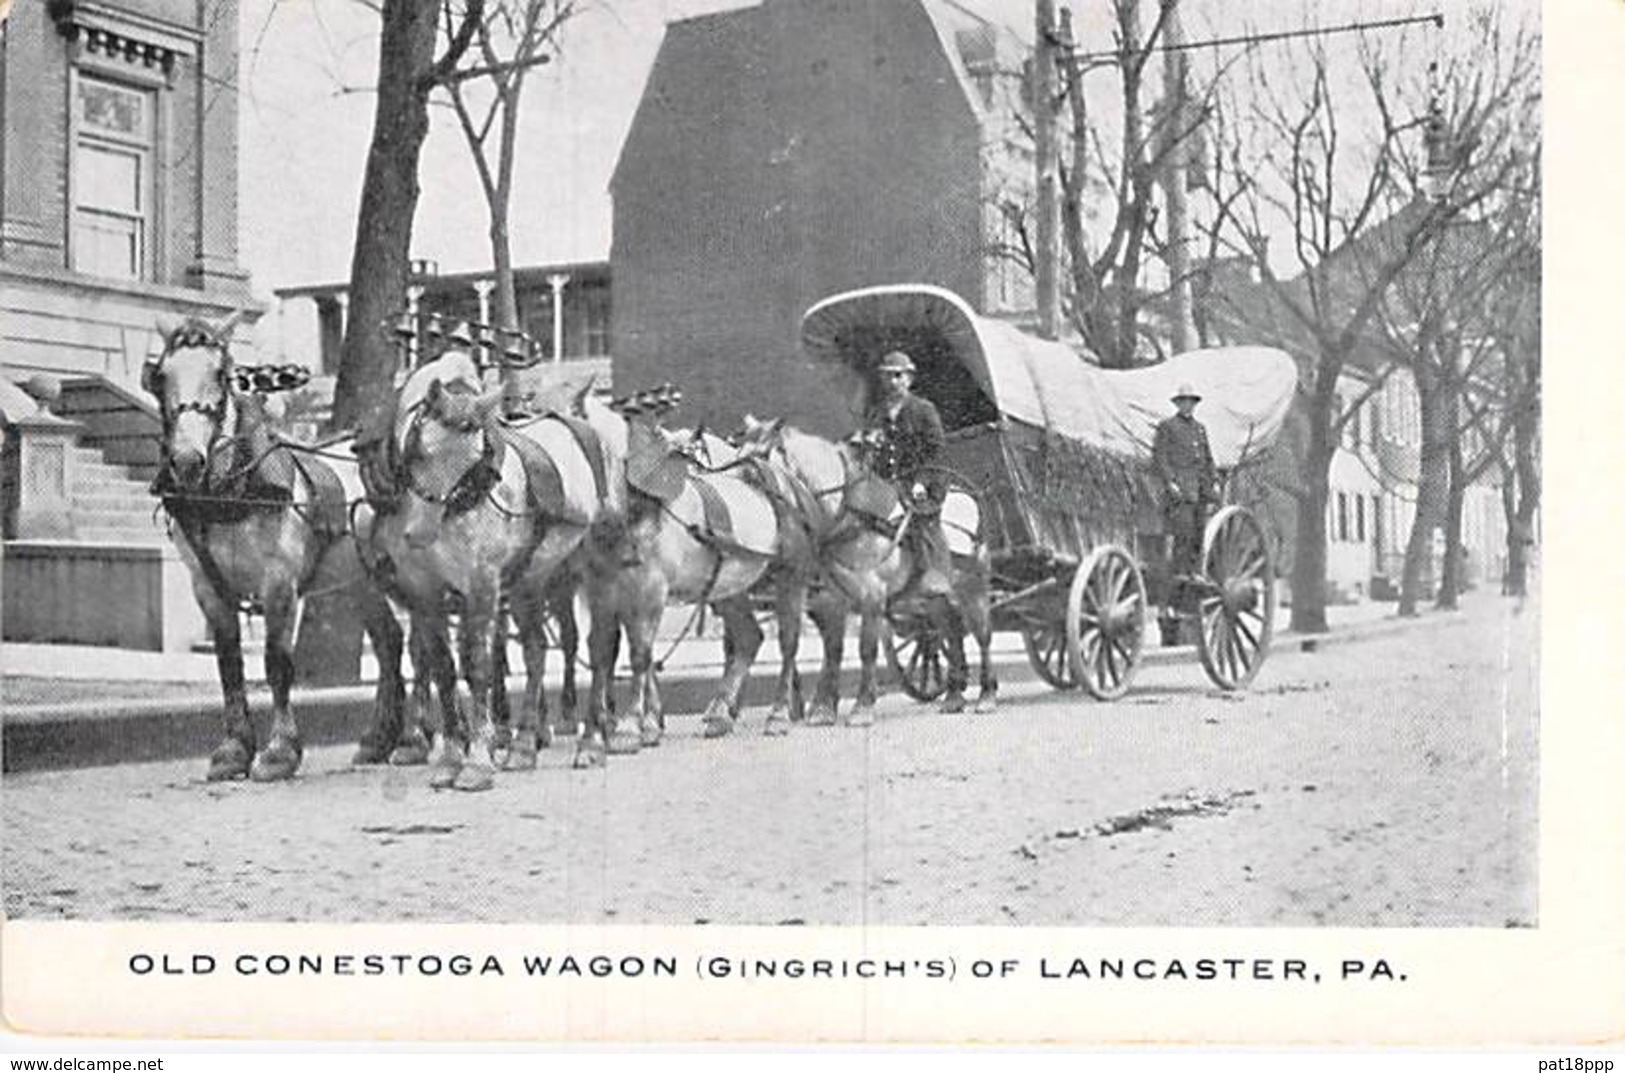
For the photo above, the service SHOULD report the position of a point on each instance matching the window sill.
(222, 301)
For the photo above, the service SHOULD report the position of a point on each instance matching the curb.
(97, 734)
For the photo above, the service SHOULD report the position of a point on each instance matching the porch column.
(557, 280)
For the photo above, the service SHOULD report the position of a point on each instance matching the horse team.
(464, 518)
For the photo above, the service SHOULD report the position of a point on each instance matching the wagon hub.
(1239, 595)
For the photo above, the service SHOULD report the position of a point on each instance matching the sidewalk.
(89, 663)
(168, 706)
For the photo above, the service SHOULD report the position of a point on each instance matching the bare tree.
(1104, 279)
(1516, 331)
(514, 37)
(408, 72)
(1337, 172)
(1433, 325)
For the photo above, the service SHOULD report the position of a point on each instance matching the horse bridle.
(215, 412)
(465, 484)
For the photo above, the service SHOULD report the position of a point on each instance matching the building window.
(1342, 516)
(1359, 518)
(1376, 524)
(112, 178)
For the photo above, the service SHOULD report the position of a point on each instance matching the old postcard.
(810, 520)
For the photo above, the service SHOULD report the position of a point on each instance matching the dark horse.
(259, 523)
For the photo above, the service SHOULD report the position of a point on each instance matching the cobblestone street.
(1391, 781)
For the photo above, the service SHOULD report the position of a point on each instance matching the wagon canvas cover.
(1246, 390)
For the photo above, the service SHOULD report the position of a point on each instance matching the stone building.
(118, 207)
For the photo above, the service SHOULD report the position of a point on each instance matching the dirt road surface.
(1386, 782)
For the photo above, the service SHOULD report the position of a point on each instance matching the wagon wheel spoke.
(1240, 625)
(1253, 566)
(1121, 651)
(1108, 674)
(1242, 645)
(1224, 641)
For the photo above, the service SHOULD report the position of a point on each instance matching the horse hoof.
(861, 717)
(474, 778)
(624, 744)
(370, 750)
(277, 762)
(985, 703)
(409, 754)
(521, 755)
(230, 760)
(777, 726)
(821, 715)
(953, 704)
(588, 757)
(718, 726)
(649, 737)
(444, 766)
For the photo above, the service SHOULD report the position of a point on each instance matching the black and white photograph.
(806, 465)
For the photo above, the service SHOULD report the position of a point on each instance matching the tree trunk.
(1309, 561)
(1309, 552)
(1513, 576)
(389, 197)
(1430, 483)
(1450, 576)
(1524, 436)
(507, 302)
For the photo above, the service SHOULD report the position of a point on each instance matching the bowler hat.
(896, 361)
(1186, 392)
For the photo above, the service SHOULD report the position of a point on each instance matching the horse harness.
(386, 476)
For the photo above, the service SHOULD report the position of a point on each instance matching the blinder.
(475, 483)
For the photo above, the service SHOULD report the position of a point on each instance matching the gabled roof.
(700, 58)
(718, 56)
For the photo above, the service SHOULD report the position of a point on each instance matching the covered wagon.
(1057, 453)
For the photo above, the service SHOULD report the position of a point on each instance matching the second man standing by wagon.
(1190, 483)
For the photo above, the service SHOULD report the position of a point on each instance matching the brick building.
(118, 207)
(783, 152)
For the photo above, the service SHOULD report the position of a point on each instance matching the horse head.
(192, 377)
(446, 441)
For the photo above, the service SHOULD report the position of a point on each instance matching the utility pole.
(1044, 116)
(1177, 120)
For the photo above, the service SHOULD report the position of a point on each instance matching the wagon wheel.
(1105, 622)
(1237, 607)
(920, 660)
(1046, 651)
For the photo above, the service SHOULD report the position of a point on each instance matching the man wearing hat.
(910, 455)
(1190, 484)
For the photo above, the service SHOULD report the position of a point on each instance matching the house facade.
(784, 152)
(118, 209)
